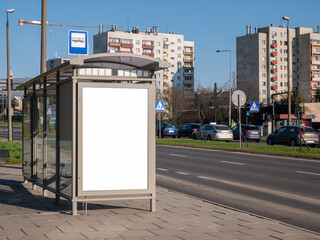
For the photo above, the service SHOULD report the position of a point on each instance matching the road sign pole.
(159, 116)
(240, 132)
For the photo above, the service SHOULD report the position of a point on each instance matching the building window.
(264, 92)
(280, 59)
(172, 43)
(179, 48)
(280, 50)
(165, 39)
(280, 67)
(263, 83)
(179, 40)
(158, 51)
(137, 50)
(274, 34)
(263, 41)
(281, 34)
(138, 42)
(281, 84)
(171, 50)
(286, 59)
(158, 44)
(281, 43)
(179, 55)
(263, 66)
(263, 75)
(285, 43)
(172, 58)
(263, 50)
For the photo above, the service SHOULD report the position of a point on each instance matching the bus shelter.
(88, 129)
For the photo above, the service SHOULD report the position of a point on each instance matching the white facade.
(263, 60)
(169, 47)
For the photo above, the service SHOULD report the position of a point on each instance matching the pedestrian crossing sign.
(160, 107)
(254, 106)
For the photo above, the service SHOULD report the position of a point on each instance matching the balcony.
(165, 58)
(187, 66)
(274, 45)
(315, 62)
(187, 74)
(165, 88)
(188, 59)
(274, 87)
(275, 96)
(147, 46)
(274, 70)
(274, 78)
(274, 54)
(188, 81)
(165, 73)
(188, 52)
(165, 80)
(316, 79)
(274, 62)
(128, 45)
(148, 54)
(165, 50)
(118, 51)
(114, 44)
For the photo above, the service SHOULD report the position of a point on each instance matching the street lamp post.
(288, 68)
(9, 111)
(229, 51)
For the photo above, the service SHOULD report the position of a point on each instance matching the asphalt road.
(16, 133)
(284, 189)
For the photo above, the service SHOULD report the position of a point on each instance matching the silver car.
(214, 132)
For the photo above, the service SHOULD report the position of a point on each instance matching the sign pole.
(159, 124)
(240, 131)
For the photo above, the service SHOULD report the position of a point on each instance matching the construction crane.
(100, 26)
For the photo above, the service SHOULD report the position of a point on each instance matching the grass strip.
(252, 148)
(15, 151)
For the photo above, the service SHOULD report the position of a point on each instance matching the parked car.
(250, 132)
(289, 135)
(214, 132)
(187, 129)
(318, 131)
(169, 129)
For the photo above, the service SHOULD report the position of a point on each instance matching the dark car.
(169, 129)
(250, 132)
(289, 135)
(187, 129)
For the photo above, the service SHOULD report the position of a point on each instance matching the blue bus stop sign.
(78, 42)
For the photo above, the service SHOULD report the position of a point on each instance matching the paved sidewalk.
(25, 214)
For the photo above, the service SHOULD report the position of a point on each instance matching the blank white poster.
(115, 139)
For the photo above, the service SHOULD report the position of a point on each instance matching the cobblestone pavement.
(26, 214)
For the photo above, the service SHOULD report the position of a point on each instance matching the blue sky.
(211, 25)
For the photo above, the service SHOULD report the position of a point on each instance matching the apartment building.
(166, 46)
(263, 61)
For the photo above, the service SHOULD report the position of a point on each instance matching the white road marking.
(177, 155)
(265, 190)
(236, 163)
(163, 169)
(183, 173)
(206, 178)
(310, 173)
